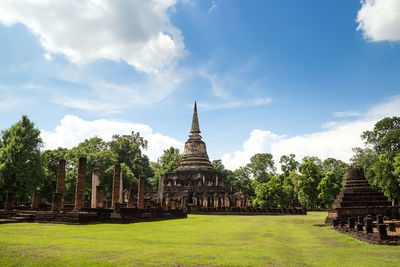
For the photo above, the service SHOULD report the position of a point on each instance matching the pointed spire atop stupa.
(194, 155)
(195, 121)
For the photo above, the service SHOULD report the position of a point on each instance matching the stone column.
(382, 231)
(121, 188)
(160, 194)
(99, 196)
(368, 225)
(95, 183)
(80, 185)
(61, 179)
(392, 227)
(57, 202)
(116, 185)
(140, 202)
(350, 222)
(226, 201)
(132, 198)
(205, 201)
(379, 219)
(37, 198)
(10, 201)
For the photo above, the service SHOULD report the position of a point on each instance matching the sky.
(303, 77)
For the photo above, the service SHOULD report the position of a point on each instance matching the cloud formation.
(336, 141)
(72, 130)
(135, 31)
(379, 20)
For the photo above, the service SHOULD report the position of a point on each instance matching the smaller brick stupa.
(358, 198)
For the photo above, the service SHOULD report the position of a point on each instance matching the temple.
(358, 198)
(194, 183)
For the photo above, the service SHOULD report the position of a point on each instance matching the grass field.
(197, 240)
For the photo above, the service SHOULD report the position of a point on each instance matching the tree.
(329, 188)
(50, 160)
(311, 175)
(262, 167)
(168, 162)
(378, 158)
(338, 168)
(385, 137)
(288, 164)
(225, 174)
(128, 149)
(20, 162)
(98, 155)
(270, 194)
(241, 181)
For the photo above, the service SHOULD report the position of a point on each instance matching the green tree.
(329, 188)
(241, 181)
(225, 174)
(262, 167)
(288, 164)
(168, 162)
(270, 194)
(50, 159)
(129, 150)
(385, 137)
(98, 155)
(378, 158)
(20, 163)
(311, 175)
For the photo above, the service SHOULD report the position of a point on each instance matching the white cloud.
(10, 103)
(236, 104)
(213, 7)
(379, 20)
(336, 141)
(48, 57)
(259, 142)
(72, 130)
(344, 114)
(110, 98)
(138, 32)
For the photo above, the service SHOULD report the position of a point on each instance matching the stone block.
(132, 198)
(392, 227)
(116, 185)
(10, 201)
(61, 179)
(368, 225)
(99, 196)
(95, 183)
(140, 200)
(350, 222)
(80, 185)
(56, 206)
(382, 231)
(379, 219)
(37, 198)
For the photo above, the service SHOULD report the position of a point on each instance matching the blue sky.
(303, 77)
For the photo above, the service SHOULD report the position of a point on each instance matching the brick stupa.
(194, 182)
(358, 198)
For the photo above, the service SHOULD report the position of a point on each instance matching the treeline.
(24, 167)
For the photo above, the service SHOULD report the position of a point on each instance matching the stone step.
(365, 203)
(364, 198)
(8, 220)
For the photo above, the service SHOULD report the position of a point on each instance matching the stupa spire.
(195, 122)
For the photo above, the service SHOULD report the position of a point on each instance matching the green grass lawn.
(197, 240)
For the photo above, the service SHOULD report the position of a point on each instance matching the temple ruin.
(364, 213)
